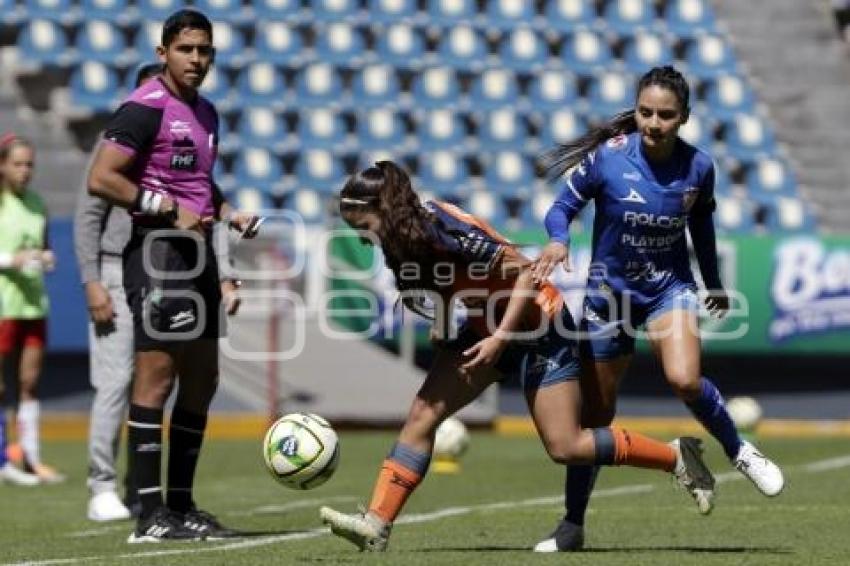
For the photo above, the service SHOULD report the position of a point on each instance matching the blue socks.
(411, 459)
(579, 486)
(709, 409)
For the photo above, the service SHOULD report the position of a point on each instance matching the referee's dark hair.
(146, 71)
(184, 19)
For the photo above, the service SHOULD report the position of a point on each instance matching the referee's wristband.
(148, 202)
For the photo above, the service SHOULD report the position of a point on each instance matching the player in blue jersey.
(513, 326)
(648, 186)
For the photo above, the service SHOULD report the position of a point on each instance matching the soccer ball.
(452, 439)
(745, 412)
(301, 450)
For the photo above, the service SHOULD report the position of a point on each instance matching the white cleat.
(692, 473)
(365, 531)
(15, 476)
(107, 506)
(766, 475)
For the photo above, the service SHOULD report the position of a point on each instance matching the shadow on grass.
(612, 550)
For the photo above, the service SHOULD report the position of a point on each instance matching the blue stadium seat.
(451, 13)
(268, 11)
(624, 17)
(645, 50)
(728, 95)
(708, 56)
(502, 129)
(445, 173)
(11, 14)
(375, 85)
(101, 40)
(533, 210)
(229, 45)
(462, 48)
(116, 11)
(279, 43)
(158, 9)
(260, 84)
(508, 173)
(43, 42)
(566, 16)
(748, 136)
(552, 89)
(319, 170)
(506, 15)
(260, 126)
(334, 11)
(321, 128)
(609, 93)
(63, 11)
(251, 200)
(524, 51)
(391, 11)
(722, 181)
(494, 88)
(440, 129)
(697, 131)
(147, 38)
(231, 11)
(94, 87)
(687, 18)
(437, 87)
(257, 167)
(734, 215)
(561, 126)
(488, 207)
(380, 128)
(318, 85)
(786, 214)
(768, 178)
(340, 44)
(585, 52)
(402, 46)
(308, 204)
(216, 88)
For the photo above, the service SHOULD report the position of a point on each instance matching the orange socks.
(635, 449)
(395, 484)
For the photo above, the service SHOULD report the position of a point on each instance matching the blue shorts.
(550, 359)
(606, 339)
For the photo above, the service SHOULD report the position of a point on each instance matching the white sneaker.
(363, 530)
(692, 473)
(16, 476)
(107, 506)
(766, 475)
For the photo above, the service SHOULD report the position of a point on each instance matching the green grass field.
(505, 499)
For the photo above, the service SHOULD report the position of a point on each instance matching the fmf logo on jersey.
(810, 289)
(183, 161)
(635, 219)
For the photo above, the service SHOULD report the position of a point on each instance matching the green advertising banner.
(789, 294)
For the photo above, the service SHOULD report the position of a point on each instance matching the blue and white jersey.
(642, 210)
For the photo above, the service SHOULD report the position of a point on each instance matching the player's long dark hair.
(565, 156)
(405, 236)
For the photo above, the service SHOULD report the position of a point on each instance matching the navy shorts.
(550, 359)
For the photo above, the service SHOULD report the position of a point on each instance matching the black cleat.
(206, 525)
(567, 537)
(162, 526)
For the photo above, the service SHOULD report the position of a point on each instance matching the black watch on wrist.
(173, 213)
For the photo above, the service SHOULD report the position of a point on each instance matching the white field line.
(197, 548)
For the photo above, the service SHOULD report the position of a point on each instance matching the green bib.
(22, 222)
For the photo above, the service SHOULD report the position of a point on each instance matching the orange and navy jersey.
(475, 243)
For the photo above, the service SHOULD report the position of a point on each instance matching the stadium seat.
(216, 88)
(728, 95)
(645, 50)
(462, 48)
(391, 11)
(319, 170)
(251, 200)
(488, 207)
(318, 85)
(585, 52)
(100, 40)
(229, 45)
(231, 11)
(115, 11)
(260, 84)
(523, 51)
(786, 214)
(279, 43)
(437, 87)
(277, 11)
(260, 126)
(375, 85)
(624, 17)
(508, 173)
(308, 204)
(697, 131)
(440, 129)
(340, 44)
(609, 93)
(63, 11)
(257, 167)
(561, 126)
(722, 181)
(157, 9)
(334, 11)
(147, 38)
(402, 46)
(532, 212)
(688, 18)
(502, 129)
(380, 128)
(94, 87)
(11, 13)
(494, 88)
(708, 56)
(747, 137)
(769, 178)
(734, 215)
(506, 15)
(451, 13)
(321, 128)
(43, 42)
(444, 173)
(551, 90)
(566, 16)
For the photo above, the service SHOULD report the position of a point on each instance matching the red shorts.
(21, 333)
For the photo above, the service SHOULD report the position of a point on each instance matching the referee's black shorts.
(172, 286)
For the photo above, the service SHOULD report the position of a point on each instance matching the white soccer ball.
(301, 450)
(452, 439)
(746, 412)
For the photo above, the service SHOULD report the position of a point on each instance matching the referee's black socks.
(145, 442)
(185, 435)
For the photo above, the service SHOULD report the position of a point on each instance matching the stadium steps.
(802, 74)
